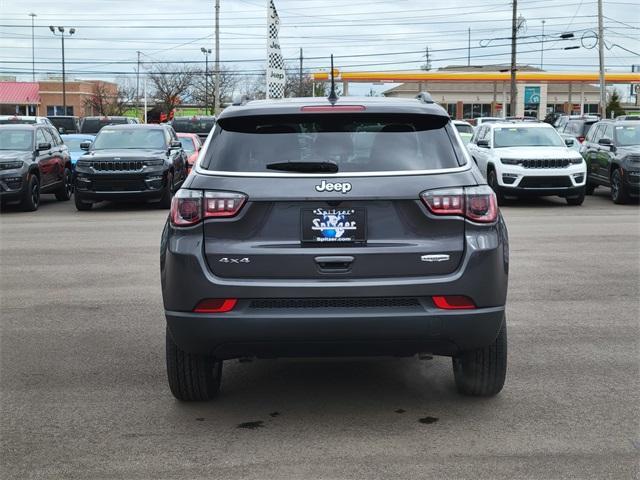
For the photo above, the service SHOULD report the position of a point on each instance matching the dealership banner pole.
(276, 77)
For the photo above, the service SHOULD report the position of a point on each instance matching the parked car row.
(534, 159)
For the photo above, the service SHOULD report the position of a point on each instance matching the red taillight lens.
(581, 139)
(477, 204)
(186, 208)
(216, 305)
(444, 202)
(223, 204)
(453, 302)
(190, 207)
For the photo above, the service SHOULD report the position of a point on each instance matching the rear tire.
(481, 372)
(492, 180)
(619, 193)
(80, 204)
(31, 200)
(66, 190)
(577, 200)
(191, 377)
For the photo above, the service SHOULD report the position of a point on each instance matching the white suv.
(519, 159)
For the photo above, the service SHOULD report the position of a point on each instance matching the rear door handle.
(334, 264)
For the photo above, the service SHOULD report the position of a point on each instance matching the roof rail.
(425, 97)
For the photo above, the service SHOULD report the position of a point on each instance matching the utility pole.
(33, 46)
(300, 85)
(542, 47)
(603, 87)
(138, 87)
(514, 34)
(216, 98)
(469, 47)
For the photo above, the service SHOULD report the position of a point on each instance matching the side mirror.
(569, 142)
(175, 144)
(85, 145)
(484, 143)
(44, 146)
(605, 141)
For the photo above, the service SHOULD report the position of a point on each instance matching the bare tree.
(203, 90)
(172, 84)
(109, 99)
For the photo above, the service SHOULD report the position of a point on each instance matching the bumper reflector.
(216, 305)
(453, 302)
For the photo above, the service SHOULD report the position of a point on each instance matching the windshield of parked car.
(350, 143)
(628, 135)
(74, 143)
(16, 140)
(462, 128)
(187, 144)
(526, 137)
(193, 125)
(138, 138)
(64, 122)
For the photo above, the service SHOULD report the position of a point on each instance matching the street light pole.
(33, 46)
(64, 79)
(603, 87)
(207, 52)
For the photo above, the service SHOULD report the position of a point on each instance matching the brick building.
(45, 97)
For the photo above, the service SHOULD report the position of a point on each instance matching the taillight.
(453, 302)
(581, 139)
(216, 305)
(477, 204)
(186, 208)
(223, 204)
(190, 207)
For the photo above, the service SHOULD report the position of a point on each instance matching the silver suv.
(349, 228)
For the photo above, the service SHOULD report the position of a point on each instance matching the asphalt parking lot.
(84, 393)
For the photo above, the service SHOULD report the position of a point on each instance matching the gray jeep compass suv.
(349, 228)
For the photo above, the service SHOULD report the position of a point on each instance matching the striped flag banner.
(276, 77)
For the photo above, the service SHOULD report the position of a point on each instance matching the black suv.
(65, 124)
(612, 153)
(200, 125)
(313, 228)
(33, 161)
(130, 162)
(92, 125)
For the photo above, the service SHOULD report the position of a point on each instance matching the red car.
(191, 144)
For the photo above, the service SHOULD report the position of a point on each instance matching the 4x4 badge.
(324, 186)
(234, 260)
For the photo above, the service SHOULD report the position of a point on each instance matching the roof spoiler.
(424, 97)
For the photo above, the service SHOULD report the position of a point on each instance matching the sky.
(373, 35)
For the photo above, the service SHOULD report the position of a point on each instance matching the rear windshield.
(355, 143)
(66, 123)
(16, 140)
(139, 138)
(526, 137)
(197, 125)
(93, 125)
(464, 128)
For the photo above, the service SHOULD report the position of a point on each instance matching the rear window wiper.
(304, 167)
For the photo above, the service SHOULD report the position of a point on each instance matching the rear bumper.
(481, 275)
(282, 333)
